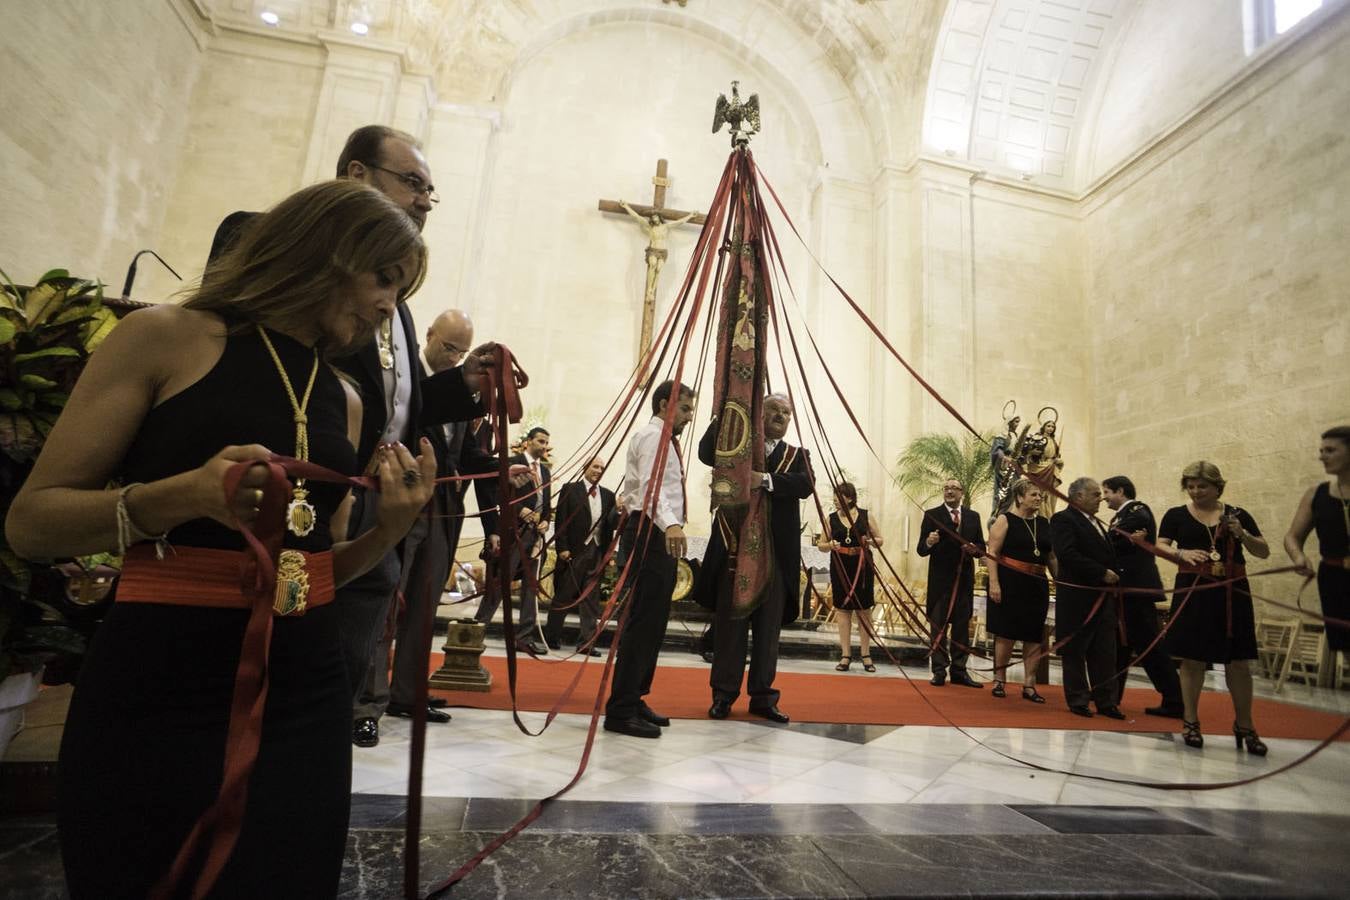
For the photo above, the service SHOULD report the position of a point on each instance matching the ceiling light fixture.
(270, 17)
(360, 28)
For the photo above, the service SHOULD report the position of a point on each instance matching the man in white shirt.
(653, 536)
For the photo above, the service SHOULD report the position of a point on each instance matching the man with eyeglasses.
(397, 401)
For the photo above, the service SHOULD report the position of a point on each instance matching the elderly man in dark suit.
(431, 546)
(1088, 570)
(951, 537)
(396, 400)
(1139, 570)
(535, 498)
(789, 480)
(585, 517)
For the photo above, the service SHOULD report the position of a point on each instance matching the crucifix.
(656, 222)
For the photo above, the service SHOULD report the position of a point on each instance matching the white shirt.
(667, 508)
(769, 447)
(595, 509)
(1096, 523)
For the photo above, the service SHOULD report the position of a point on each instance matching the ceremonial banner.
(740, 507)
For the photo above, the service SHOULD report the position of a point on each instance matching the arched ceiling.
(878, 50)
(1012, 83)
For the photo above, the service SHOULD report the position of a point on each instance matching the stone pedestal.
(462, 670)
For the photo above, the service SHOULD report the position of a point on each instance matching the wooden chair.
(1305, 656)
(1274, 638)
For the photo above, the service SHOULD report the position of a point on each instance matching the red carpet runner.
(683, 693)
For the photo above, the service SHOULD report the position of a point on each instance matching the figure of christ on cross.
(656, 222)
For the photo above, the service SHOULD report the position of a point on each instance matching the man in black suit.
(585, 517)
(789, 480)
(951, 537)
(431, 545)
(1086, 558)
(535, 499)
(1139, 569)
(396, 400)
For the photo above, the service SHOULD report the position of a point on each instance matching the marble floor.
(751, 809)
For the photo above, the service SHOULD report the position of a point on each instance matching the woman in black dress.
(849, 538)
(1326, 509)
(1212, 622)
(1019, 594)
(239, 366)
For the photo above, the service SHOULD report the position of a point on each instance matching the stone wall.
(1217, 281)
(95, 112)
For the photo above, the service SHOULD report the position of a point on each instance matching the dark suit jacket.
(574, 517)
(945, 556)
(793, 480)
(540, 500)
(1138, 567)
(1084, 555)
(459, 456)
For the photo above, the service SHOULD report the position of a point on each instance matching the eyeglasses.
(413, 182)
(451, 348)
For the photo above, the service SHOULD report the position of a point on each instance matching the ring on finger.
(411, 477)
(257, 498)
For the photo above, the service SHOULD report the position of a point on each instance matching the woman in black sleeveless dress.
(1019, 597)
(850, 536)
(1212, 622)
(1326, 510)
(144, 745)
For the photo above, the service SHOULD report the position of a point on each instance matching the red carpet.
(683, 693)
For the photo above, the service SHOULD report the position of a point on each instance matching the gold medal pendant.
(292, 584)
(1214, 555)
(1037, 552)
(300, 515)
(386, 344)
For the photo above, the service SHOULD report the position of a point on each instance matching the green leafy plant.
(47, 332)
(931, 459)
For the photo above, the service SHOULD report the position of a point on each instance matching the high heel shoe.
(1030, 693)
(867, 664)
(844, 663)
(1248, 736)
(1190, 733)
(998, 690)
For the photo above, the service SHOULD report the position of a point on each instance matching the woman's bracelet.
(128, 532)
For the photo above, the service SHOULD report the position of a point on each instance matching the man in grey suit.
(430, 546)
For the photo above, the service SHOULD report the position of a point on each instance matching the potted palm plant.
(47, 607)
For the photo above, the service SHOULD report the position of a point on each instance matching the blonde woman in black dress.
(1019, 594)
(1212, 622)
(850, 538)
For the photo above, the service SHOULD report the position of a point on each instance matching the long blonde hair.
(289, 262)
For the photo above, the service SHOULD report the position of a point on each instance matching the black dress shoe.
(965, 680)
(532, 647)
(647, 714)
(553, 645)
(720, 709)
(590, 652)
(634, 727)
(1081, 711)
(772, 713)
(366, 732)
(1167, 712)
(436, 716)
(437, 703)
(938, 680)
(1111, 712)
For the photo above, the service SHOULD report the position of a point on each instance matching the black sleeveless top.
(242, 400)
(1328, 514)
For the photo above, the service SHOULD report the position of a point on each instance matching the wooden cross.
(655, 252)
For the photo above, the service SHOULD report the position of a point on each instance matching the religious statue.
(656, 230)
(1003, 453)
(1040, 459)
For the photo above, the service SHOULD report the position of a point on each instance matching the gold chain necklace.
(300, 515)
(1031, 527)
